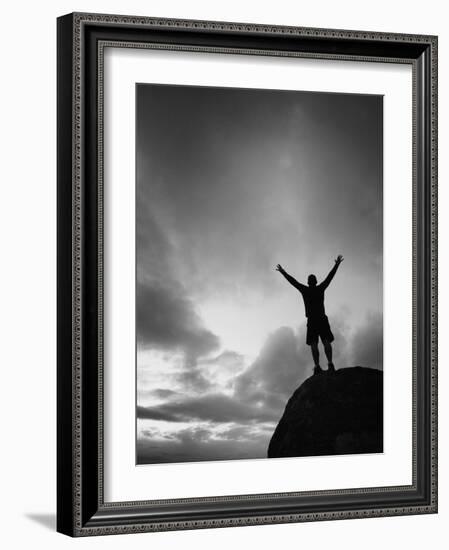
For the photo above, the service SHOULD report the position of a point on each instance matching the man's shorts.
(319, 328)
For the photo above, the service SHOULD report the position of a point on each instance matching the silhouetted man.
(317, 321)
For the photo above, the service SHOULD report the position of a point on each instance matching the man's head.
(311, 280)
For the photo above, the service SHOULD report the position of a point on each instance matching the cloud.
(227, 359)
(198, 444)
(156, 414)
(283, 363)
(367, 342)
(162, 393)
(154, 249)
(222, 369)
(166, 319)
(245, 433)
(216, 408)
(192, 379)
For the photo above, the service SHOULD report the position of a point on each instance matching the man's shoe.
(331, 367)
(317, 369)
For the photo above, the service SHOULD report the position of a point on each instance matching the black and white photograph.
(259, 273)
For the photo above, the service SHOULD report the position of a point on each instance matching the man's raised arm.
(290, 279)
(332, 272)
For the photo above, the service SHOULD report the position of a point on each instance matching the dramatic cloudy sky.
(231, 182)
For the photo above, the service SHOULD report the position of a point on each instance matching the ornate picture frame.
(81, 506)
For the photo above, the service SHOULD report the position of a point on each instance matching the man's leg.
(328, 351)
(316, 357)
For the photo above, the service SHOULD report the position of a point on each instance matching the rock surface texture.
(332, 414)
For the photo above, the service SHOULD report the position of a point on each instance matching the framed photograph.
(247, 274)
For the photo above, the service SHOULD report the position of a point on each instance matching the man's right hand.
(279, 268)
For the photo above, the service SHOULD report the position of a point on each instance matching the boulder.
(332, 414)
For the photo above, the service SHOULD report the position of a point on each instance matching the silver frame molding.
(81, 41)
